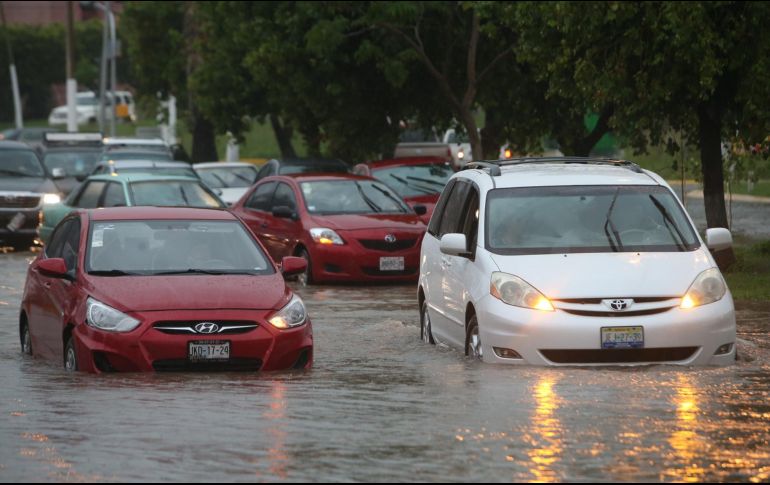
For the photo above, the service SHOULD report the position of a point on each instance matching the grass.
(761, 188)
(749, 278)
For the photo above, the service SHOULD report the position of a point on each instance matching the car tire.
(70, 355)
(426, 329)
(473, 346)
(305, 278)
(26, 339)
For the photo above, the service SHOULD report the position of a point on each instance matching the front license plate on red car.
(208, 350)
(622, 337)
(392, 263)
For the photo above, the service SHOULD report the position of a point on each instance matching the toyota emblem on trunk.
(207, 327)
(390, 238)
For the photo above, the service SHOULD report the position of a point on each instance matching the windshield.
(175, 171)
(595, 219)
(351, 197)
(228, 177)
(154, 247)
(159, 156)
(310, 167)
(72, 163)
(20, 163)
(415, 180)
(172, 194)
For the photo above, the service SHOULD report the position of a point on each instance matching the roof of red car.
(396, 162)
(140, 213)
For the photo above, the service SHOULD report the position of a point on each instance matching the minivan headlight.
(515, 291)
(707, 288)
(292, 315)
(104, 317)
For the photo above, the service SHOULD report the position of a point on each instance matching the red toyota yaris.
(348, 228)
(148, 288)
(418, 180)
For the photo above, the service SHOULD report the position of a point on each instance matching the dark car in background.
(25, 185)
(291, 166)
(31, 136)
(70, 157)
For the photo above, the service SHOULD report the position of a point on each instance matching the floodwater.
(381, 405)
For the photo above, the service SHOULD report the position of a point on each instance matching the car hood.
(608, 275)
(27, 184)
(190, 292)
(354, 222)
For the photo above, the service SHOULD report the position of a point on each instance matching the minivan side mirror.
(454, 244)
(718, 238)
(284, 212)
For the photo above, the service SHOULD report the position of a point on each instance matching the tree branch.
(494, 61)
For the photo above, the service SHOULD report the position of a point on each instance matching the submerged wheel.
(26, 339)
(426, 330)
(305, 278)
(70, 356)
(473, 347)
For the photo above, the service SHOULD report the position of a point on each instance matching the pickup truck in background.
(422, 143)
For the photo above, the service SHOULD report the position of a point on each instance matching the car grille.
(589, 313)
(178, 365)
(188, 328)
(382, 245)
(618, 356)
(371, 271)
(19, 201)
(593, 307)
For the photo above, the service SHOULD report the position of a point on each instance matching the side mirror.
(58, 173)
(284, 212)
(420, 210)
(718, 238)
(291, 265)
(454, 244)
(53, 267)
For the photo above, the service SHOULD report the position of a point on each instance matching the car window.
(90, 195)
(266, 170)
(71, 244)
(172, 193)
(470, 223)
(438, 211)
(351, 196)
(415, 180)
(73, 163)
(20, 163)
(284, 197)
(261, 198)
(452, 216)
(56, 244)
(228, 177)
(114, 195)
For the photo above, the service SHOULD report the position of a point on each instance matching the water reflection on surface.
(381, 405)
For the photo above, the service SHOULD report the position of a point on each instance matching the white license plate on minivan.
(208, 350)
(622, 337)
(392, 263)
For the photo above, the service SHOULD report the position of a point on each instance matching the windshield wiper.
(418, 187)
(384, 192)
(204, 271)
(113, 272)
(368, 201)
(670, 223)
(608, 222)
(224, 184)
(17, 174)
(184, 197)
(428, 181)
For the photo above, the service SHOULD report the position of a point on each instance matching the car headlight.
(515, 291)
(51, 198)
(105, 317)
(707, 288)
(323, 235)
(292, 315)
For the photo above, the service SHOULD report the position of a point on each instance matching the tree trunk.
(204, 145)
(491, 138)
(469, 122)
(283, 137)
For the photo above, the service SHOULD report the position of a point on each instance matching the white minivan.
(572, 261)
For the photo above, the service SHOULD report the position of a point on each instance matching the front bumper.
(352, 263)
(676, 336)
(27, 229)
(149, 349)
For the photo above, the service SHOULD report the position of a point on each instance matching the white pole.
(171, 120)
(16, 98)
(103, 68)
(113, 69)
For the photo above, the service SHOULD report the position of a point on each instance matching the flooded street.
(380, 405)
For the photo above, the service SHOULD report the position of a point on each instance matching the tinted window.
(595, 219)
(20, 163)
(453, 215)
(284, 196)
(72, 163)
(170, 193)
(470, 223)
(114, 195)
(435, 220)
(266, 171)
(89, 196)
(261, 198)
(71, 244)
(55, 245)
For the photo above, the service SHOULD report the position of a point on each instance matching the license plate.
(622, 337)
(208, 350)
(16, 222)
(392, 263)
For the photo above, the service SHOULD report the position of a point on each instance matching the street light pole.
(113, 68)
(72, 84)
(14, 78)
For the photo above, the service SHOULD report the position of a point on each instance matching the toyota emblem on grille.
(390, 238)
(207, 327)
(618, 304)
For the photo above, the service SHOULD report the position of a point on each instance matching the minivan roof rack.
(494, 165)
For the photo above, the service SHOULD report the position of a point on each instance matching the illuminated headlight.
(707, 288)
(292, 315)
(51, 199)
(325, 236)
(461, 154)
(105, 317)
(515, 291)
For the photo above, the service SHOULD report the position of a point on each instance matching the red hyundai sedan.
(148, 288)
(418, 180)
(348, 228)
